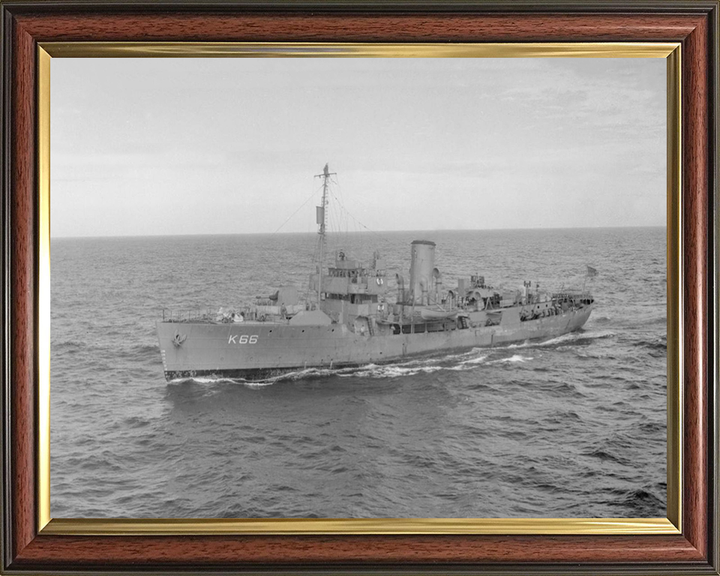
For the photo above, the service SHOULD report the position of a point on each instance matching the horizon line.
(354, 232)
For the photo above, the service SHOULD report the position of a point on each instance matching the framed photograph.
(360, 287)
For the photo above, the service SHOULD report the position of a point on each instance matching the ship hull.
(256, 351)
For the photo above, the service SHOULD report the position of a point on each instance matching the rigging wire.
(298, 210)
(349, 214)
(339, 219)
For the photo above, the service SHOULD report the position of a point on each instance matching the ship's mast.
(322, 221)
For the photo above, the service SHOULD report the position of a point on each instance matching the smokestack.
(422, 263)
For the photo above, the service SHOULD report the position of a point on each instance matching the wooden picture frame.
(31, 545)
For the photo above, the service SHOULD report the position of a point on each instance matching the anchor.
(179, 339)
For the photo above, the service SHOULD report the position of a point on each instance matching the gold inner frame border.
(346, 526)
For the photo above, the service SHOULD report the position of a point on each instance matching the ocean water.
(570, 427)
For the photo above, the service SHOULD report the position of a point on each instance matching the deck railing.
(204, 314)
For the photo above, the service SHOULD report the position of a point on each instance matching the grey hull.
(260, 350)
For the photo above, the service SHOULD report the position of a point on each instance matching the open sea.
(570, 427)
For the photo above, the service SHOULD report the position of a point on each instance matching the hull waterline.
(258, 351)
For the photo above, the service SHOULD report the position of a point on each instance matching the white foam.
(203, 380)
(565, 338)
(391, 371)
(571, 337)
(478, 360)
(575, 336)
(514, 358)
(260, 384)
(453, 362)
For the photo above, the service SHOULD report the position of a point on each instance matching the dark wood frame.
(694, 24)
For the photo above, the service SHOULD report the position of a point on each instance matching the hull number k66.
(244, 339)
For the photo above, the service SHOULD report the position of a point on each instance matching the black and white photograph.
(358, 288)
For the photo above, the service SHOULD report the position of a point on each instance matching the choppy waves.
(569, 426)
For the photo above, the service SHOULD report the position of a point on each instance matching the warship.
(351, 317)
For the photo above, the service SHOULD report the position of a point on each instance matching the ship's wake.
(581, 337)
(468, 360)
(455, 362)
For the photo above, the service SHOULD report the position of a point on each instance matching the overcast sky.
(231, 145)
